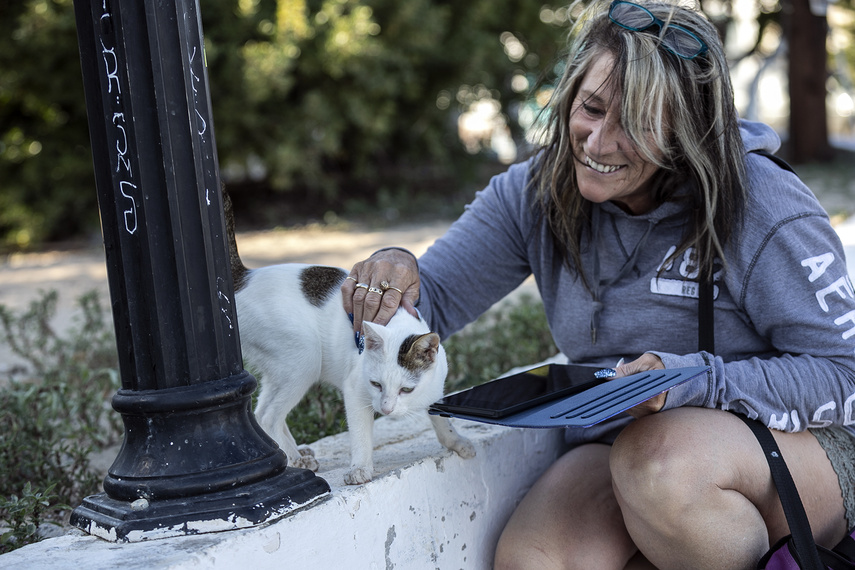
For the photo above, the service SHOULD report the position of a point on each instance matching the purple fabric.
(782, 559)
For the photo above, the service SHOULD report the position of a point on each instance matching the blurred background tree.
(319, 105)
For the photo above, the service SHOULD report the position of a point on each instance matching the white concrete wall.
(426, 508)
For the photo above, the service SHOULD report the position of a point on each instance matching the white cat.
(295, 333)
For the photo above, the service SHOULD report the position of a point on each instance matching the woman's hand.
(647, 361)
(376, 287)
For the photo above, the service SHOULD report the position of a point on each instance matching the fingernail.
(350, 316)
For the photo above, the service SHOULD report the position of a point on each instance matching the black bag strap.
(706, 290)
(706, 321)
(776, 159)
(807, 552)
(808, 556)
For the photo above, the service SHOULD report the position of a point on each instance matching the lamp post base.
(257, 503)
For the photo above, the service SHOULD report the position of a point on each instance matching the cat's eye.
(406, 390)
(377, 385)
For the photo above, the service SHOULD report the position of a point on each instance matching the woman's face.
(608, 165)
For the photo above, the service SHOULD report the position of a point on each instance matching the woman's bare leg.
(569, 519)
(695, 490)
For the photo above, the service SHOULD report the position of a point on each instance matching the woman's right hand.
(645, 362)
(377, 286)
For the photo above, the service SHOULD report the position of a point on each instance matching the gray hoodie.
(784, 308)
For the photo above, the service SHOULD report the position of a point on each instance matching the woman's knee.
(659, 463)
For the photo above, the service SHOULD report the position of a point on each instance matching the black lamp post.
(193, 458)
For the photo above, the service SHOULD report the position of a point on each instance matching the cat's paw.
(464, 448)
(306, 450)
(358, 476)
(306, 460)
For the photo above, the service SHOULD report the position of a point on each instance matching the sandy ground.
(74, 272)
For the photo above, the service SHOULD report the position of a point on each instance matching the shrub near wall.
(53, 415)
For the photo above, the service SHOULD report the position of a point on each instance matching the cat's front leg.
(448, 437)
(360, 425)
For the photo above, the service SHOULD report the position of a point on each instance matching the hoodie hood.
(758, 136)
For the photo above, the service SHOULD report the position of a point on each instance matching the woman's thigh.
(569, 518)
(690, 474)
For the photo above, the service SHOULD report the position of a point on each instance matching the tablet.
(560, 396)
(511, 394)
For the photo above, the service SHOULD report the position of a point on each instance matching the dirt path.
(75, 272)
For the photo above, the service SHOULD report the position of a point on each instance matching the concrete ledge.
(426, 508)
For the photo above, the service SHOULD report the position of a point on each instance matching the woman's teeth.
(605, 169)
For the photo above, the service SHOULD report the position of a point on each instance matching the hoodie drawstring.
(600, 284)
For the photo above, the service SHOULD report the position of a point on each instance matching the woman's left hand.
(647, 361)
(392, 276)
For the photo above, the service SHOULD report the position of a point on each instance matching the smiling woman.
(648, 189)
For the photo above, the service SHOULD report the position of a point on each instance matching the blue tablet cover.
(595, 404)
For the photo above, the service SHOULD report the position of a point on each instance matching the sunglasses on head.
(676, 39)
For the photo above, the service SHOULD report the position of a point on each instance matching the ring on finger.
(375, 290)
(385, 286)
(351, 278)
(362, 285)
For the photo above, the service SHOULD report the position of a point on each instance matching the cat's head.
(405, 371)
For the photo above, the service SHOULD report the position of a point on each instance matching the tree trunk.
(806, 34)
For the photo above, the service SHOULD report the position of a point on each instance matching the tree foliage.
(46, 180)
(321, 96)
(322, 99)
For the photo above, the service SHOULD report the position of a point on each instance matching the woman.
(647, 185)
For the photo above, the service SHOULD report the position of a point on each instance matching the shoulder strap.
(775, 158)
(706, 321)
(792, 503)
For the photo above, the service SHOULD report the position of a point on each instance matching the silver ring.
(362, 285)
(351, 278)
(375, 290)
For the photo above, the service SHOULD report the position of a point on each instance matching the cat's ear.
(422, 352)
(373, 338)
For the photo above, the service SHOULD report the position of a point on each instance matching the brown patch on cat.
(239, 270)
(418, 352)
(318, 283)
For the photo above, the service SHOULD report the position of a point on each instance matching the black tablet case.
(595, 404)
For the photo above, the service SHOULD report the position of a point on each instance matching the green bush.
(319, 414)
(24, 516)
(51, 421)
(515, 334)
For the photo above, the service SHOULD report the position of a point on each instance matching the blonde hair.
(679, 114)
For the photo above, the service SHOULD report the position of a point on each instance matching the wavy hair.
(678, 113)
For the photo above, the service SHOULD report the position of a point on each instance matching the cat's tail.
(239, 270)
